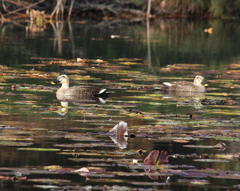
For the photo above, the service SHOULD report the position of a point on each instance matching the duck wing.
(87, 91)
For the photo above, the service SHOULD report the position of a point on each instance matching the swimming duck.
(184, 86)
(78, 91)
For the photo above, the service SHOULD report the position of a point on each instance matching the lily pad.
(38, 149)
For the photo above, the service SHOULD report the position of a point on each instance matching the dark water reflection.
(32, 117)
(172, 41)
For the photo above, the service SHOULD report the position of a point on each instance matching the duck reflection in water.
(185, 92)
(78, 94)
(197, 86)
(65, 103)
(193, 99)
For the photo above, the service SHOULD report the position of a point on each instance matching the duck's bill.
(55, 82)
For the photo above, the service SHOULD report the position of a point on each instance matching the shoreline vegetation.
(42, 11)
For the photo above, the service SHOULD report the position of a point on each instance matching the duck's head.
(199, 80)
(62, 79)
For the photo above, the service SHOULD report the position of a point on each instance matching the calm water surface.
(128, 60)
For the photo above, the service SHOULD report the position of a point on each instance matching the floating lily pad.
(14, 143)
(193, 181)
(210, 160)
(49, 181)
(38, 149)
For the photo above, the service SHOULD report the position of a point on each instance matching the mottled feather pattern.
(78, 91)
(178, 86)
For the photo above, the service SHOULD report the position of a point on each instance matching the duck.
(78, 92)
(184, 86)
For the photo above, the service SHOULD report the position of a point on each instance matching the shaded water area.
(173, 141)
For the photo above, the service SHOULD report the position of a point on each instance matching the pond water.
(174, 142)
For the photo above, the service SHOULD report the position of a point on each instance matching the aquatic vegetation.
(155, 139)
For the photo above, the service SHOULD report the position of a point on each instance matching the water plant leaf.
(38, 149)
(52, 167)
(156, 157)
(13, 143)
(220, 145)
(49, 181)
(82, 171)
(193, 181)
(210, 160)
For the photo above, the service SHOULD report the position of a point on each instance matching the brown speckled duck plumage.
(78, 91)
(184, 86)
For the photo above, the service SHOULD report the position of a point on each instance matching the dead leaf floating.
(119, 134)
(209, 30)
(82, 171)
(156, 157)
(219, 146)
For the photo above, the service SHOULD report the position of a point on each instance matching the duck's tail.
(161, 87)
(103, 93)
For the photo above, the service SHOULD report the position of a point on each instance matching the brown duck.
(184, 86)
(78, 91)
